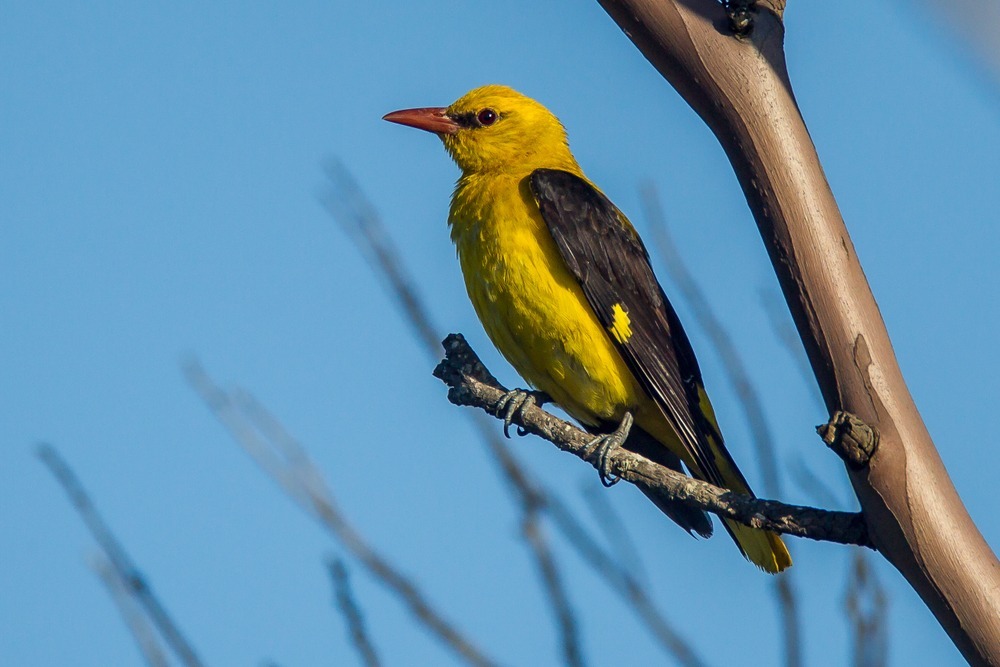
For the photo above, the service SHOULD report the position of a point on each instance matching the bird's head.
(495, 129)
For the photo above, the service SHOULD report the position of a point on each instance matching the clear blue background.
(159, 171)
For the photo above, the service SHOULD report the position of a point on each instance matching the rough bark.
(473, 385)
(740, 88)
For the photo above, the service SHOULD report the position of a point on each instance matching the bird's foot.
(515, 401)
(605, 445)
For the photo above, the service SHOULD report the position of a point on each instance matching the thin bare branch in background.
(622, 582)
(813, 486)
(286, 461)
(349, 206)
(866, 600)
(136, 621)
(862, 583)
(348, 607)
(554, 588)
(125, 569)
(976, 24)
(749, 400)
(867, 606)
(614, 530)
(722, 343)
(784, 331)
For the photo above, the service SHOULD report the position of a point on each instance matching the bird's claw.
(514, 402)
(605, 445)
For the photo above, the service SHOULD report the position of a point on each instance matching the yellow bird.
(562, 284)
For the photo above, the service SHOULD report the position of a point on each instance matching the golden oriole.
(563, 286)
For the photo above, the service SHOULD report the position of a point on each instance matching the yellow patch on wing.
(706, 406)
(621, 325)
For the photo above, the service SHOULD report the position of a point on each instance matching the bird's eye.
(487, 117)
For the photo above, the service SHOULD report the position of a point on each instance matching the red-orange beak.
(432, 119)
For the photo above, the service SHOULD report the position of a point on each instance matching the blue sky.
(160, 167)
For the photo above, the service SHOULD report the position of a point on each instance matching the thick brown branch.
(472, 384)
(741, 89)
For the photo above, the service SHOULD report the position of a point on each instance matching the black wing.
(605, 254)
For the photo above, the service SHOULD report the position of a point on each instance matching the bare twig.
(784, 330)
(865, 600)
(349, 206)
(614, 530)
(554, 588)
(138, 624)
(344, 598)
(621, 581)
(124, 568)
(866, 604)
(976, 23)
(284, 459)
(352, 210)
(472, 384)
(749, 400)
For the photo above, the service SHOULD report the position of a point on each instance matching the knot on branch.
(459, 363)
(852, 439)
(740, 18)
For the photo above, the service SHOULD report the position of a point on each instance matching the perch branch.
(471, 384)
(741, 89)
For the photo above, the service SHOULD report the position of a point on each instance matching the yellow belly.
(533, 309)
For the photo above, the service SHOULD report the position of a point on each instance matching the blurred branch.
(139, 626)
(284, 459)
(613, 528)
(976, 24)
(784, 330)
(348, 205)
(471, 384)
(350, 208)
(126, 571)
(750, 401)
(554, 588)
(866, 600)
(352, 614)
(867, 607)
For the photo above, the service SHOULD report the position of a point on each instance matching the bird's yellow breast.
(532, 308)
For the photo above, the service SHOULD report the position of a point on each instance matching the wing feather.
(607, 257)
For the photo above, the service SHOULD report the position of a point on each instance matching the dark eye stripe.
(473, 119)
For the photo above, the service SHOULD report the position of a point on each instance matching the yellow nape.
(621, 325)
